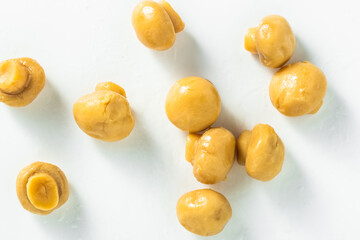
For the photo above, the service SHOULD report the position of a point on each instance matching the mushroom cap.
(275, 41)
(298, 89)
(153, 25)
(193, 104)
(104, 115)
(203, 212)
(265, 154)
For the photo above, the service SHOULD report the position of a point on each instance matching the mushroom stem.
(242, 146)
(42, 191)
(175, 18)
(191, 142)
(250, 41)
(14, 77)
(111, 87)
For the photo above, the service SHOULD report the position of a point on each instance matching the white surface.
(129, 189)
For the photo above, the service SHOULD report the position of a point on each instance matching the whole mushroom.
(21, 80)
(273, 40)
(105, 114)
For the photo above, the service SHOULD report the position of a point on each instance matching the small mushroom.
(156, 24)
(41, 188)
(193, 104)
(105, 114)
(273, 40)
(263, 152)
(203, 212)
(298, 89)
(211, 154)
(21, 80)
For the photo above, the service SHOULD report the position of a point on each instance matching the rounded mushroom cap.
(153, 25)
(265, 154)
(214, 155)
(193, 104)
(21, 80)
(298, 89)
(275, 41)
(41, 188)
(105, 115)
(203, 212)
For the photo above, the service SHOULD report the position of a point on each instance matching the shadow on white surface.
(138, 147)
(185, 58)
(47, 107)
(290, 190)
(228, 120)
(330, 127)
(300, 53)
(67, 222)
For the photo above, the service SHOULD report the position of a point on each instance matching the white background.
(129, 189)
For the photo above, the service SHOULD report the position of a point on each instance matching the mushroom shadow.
(185, 58)
(290, 189)
(137, 148)
(66, 222)
(300, 53)
(330, 127)
(47, 108)
(229, 121)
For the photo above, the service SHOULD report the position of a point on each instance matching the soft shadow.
(47, 108)
(290, 190)
(48, 101)
(67, 222)
(329, 127)
(185, 58)
(229, 121)
(300, 53)
(136, 149)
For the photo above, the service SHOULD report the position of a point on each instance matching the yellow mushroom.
(21, 80)
(298, 89)
(156, 24)
(263, 151)
(193, 104)
(273, 40)
(211, 154)
(42, 188)
(105, 114)
(203, 212)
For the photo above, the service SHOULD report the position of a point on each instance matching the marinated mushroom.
(273, 40)
(193, 104)
(263, 151)
(21, 80)
(298, 89)
(156, 24)
(242, 145)
(105, 114)
(203, 212)
(41, 188)
(211, 154)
